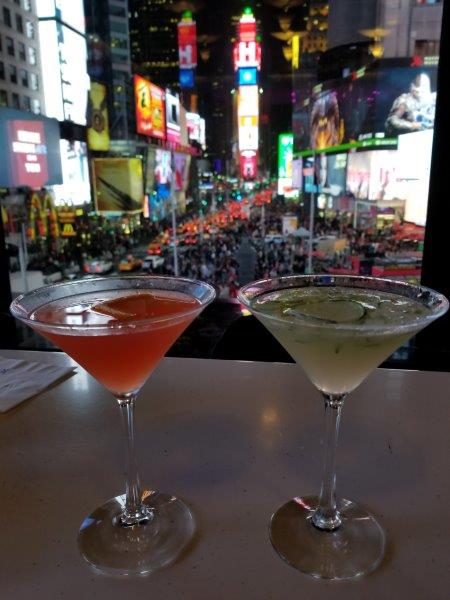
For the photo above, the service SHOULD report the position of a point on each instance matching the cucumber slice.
(330, 311)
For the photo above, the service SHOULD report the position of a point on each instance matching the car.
(130, 263)
(153, 261)
(154, 248)
(97, 266)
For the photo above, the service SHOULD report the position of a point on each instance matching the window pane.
(15, 100)
(10, 46)
(12, 74)
(21, 48)
(19, 23)
(32, 56)
(6, 16)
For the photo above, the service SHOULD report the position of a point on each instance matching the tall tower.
(247, 64)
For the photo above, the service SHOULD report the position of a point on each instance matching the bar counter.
(235, 440)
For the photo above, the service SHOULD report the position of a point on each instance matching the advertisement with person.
(163, 173)
(371, 105)
(76, 188)
(150, 108)
(150, 170)
(180, 170)
(97, 118)
(118, 184)
(32, 153)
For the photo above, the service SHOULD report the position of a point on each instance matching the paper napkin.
(22, 379)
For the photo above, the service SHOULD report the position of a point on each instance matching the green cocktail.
(338, 329)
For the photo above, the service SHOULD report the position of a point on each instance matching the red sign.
(187, 44)
(247, 54)
(28, 153)
(248, 164)
(247, 31)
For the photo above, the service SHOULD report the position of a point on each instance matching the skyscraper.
(20, 61)
(110, 61)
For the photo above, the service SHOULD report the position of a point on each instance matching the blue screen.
(187, 78)
(247, 76)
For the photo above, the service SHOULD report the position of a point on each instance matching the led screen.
(76, 188)
(380, 103)
(118, 184)
(31, 150)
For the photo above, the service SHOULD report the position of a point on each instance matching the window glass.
(10, 46)
(19, 23)
(21, 51)
(13, 73)
(6, 16)
(30, 30)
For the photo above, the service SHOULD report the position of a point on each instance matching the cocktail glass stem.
(135, 512)
(326, 515)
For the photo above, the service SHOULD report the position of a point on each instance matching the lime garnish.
(329, 311)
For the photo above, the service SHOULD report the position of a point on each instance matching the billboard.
(297, 174)
(163, 173)
(193, 126)
(65, 80)
(76, 188)
(367, 107)
(247, 54)
(248, 164)
(31, 154)
(97, 118)
(186, 78)
(118, 184)
(187, 44)
(248, 101)
(150, 108)
(181, 164)
(358, 174)
(173, 127)
(413, 174)
(331, 173)
(247, 76)
(150, 170)
(248, 133)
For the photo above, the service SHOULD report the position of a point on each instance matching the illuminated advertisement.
(184, 136)
(248, 164)
(186, 79)
(336, 174)
(118, 184)
(150, 170)
(247, 54)
(248, 101)
(163, 169)
(297, 174)
(247, 29)
(285, 155)
(71, 13)
(31, 150)
(173, 128)
(187, 44)
(414, 162)
(150, 108)
(193, 126)
(247, 76)
(248, 133)
(358, 174)
(65, 80)
(383, 182)
(181, 164)
(203, 133)
(369, 108)
(76, 188)
(97, 118)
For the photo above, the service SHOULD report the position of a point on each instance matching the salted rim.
(276, 284)
(16, 308)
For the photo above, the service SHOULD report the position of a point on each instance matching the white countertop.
(235, 440)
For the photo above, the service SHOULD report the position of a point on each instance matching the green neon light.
(248, 10)
(187, 14)
(371, 143)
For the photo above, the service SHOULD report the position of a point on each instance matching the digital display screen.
(247, 76)
(31, 150)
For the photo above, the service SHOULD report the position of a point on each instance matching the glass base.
(353, 550)
(115, 549)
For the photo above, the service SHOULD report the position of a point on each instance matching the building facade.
(20, 61)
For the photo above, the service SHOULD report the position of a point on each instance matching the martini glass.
(118, 329)
(339, 329)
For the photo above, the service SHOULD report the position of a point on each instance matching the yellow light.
(296, 52)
